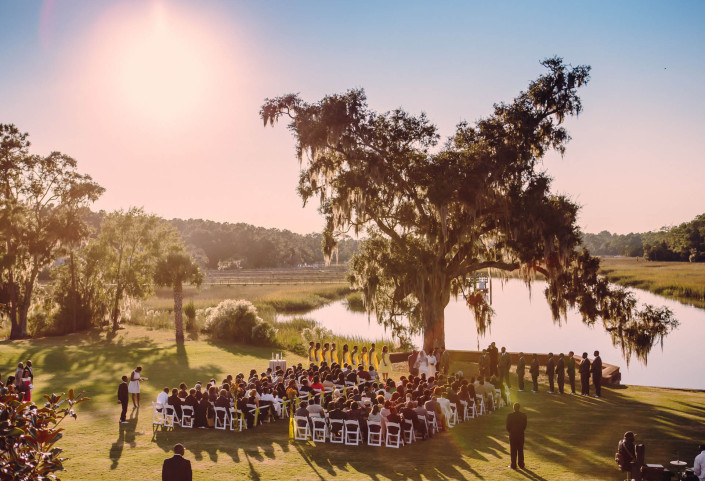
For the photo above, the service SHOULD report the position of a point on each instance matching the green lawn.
(568, 437)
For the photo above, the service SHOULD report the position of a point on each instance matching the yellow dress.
(386, 365)
(319, 358)
(374, 360)
(347, 358)
(326, 356)
(334, 356)
(365, 360)
(311, 355)
(355, 359)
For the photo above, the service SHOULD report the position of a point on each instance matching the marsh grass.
(682, 281)
(568, 437)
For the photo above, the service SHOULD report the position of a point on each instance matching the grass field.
(568, 437)
(683, 281)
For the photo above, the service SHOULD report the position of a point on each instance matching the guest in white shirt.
(163, 398)
(699, 463)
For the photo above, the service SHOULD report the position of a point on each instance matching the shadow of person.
(531, 475)
(126, 434)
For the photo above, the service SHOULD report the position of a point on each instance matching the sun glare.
(160, 67)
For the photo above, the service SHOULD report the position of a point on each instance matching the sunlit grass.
(568, 437)
(683, 281)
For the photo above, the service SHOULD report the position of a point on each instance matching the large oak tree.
(435, 216)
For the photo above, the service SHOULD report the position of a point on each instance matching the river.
(522, 322)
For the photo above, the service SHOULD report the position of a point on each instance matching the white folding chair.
(453, 418)
(509, 399)
(423, 419)
(480, 403)
(433, 423)
(235, 419)
(352, 433)
(374, 433)
(187, 416)
(498, 395)
(221, 418)
(336, 438)
(409, 432)
(320, 430)
(170, 417)
(157, 414)
(303, 430)
(392, 437)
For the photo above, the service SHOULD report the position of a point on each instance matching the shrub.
(190, 313)
(264, 334)
(232, 320)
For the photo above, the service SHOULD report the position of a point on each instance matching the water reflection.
(524, 324)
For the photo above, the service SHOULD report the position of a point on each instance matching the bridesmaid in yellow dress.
(355, 358)
(365, 358)
(333, 353)
(347, 358)
(311, 353)
(325, 353)
(317, 351)
(374, 361)
(385, 368)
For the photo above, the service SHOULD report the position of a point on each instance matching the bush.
(190, 313)
(232, 320)
(264, 334)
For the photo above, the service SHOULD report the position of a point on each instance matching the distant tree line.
(222, 245)
(685, 242)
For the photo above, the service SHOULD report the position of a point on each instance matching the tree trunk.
(433, 309)
(118, 288)
(178, 312)
(74, 314)
(14, 323)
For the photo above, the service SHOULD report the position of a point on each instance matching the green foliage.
(41, 200)
(264, 334)
(230, 246)
(232, 320)
(28, 435)
(436, 217)
(190, 313)
(354, 302)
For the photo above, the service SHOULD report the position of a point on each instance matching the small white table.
(275, 364)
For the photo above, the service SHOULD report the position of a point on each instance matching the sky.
(159, 100)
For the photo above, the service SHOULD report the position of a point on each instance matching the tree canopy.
(437, 215)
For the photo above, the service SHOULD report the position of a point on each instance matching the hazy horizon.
(158, 101)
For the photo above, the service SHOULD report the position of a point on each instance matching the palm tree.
(172, 271)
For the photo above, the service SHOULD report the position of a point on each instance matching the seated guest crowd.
(340, 392)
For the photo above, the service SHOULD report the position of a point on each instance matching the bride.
(422, 361)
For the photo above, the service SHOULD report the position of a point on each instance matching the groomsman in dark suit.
(123, 398)
(560, 373)
(597, 373)
(584, 370)
(176, 468)
(570, 367)
(550, 371)
(521, 370)
(516, 425)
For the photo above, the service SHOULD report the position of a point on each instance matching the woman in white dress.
(134, 386)
(422, 363)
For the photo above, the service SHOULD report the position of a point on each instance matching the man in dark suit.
(176, 468)
(516, 425)
(597, 373)
(584, 370)
(570, 367)
(123, 398)
(521, 370)
(560, 372)
(550, 371)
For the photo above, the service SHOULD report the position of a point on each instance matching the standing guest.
(570, 367)
(550, 371)
(134, 386)
(597, 373)
(177, 468)
(123, 398)
(325, 353)
(317, 354)
(516, 425)
(347, 358)
(355, 357)
(505, 364)
(494, 358)
(584, 370)
(385, 367)
(311, 353)
(534, 371)
(560, 372)
(365, 358)
(27, 383)
(699, 463)
(18, 375)
(333, 353)
(28, 365)
(521, 370)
